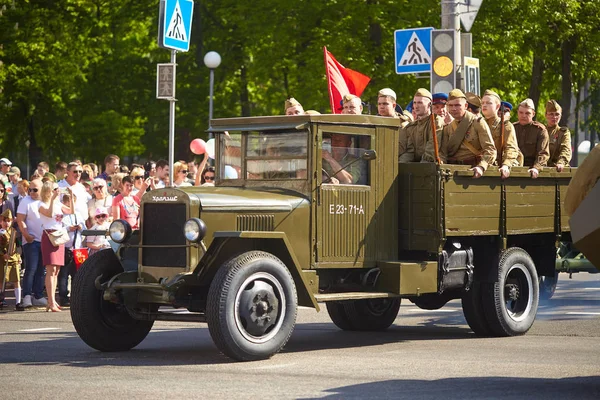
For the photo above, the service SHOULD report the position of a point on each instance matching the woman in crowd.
(53, 257)
(150, 168)
(100, 198)
(90, 171)
(208, 177)
(125, 205)
(180, 172)
(5, 204)
(114, 187)
(137, 176)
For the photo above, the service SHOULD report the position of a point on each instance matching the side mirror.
(369, 155)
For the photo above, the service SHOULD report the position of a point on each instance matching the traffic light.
(443, 64)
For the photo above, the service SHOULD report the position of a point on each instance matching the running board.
(324, 297)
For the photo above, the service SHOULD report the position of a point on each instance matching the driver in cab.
(336, 157)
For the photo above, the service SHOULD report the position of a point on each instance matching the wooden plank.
(472, 198)
(530, 225)
(470, 210)
(530, 189)
(529, 198)
(469, 187)
(530, 210)
(473, 225)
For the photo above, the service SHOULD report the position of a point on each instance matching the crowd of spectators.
(71, 198)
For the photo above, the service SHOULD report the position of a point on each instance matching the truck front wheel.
(251, 306)
(511, 303)
(364, 315)
(103, 325)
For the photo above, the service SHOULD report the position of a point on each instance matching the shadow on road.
(581, 388)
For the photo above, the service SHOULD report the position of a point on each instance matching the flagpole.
(325, 58)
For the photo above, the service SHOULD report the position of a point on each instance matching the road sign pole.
(172, 125)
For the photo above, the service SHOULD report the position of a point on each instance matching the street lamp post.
(212, 60)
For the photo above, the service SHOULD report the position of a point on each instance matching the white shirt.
(70, 220)
(31, 209)
(101, 241)
(81, 204)
(54, 222)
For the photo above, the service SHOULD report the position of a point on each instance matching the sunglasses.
(98, 187)
(209, 178)
(101, 216)
(32, 190)
(184, 171)
(138, 177)
(78, 171)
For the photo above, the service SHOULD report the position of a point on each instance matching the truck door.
(345, 214)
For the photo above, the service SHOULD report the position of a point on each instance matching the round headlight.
(119, 231)
(194, 229)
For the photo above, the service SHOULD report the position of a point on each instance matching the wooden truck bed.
(445, 201)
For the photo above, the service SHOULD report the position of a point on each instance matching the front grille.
(163, 225)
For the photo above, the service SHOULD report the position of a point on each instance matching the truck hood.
(242, 199)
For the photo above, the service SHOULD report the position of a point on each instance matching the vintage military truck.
(280, 230)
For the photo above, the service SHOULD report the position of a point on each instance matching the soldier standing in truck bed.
(467, 140)
(532, 138)
(506, 146)
(559, 137)
(416, 138)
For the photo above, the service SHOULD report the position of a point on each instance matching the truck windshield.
(270, 155)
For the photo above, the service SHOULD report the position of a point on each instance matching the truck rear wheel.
(103, 325)
(364, 315)
(511, 303)
(473, 311)
(251, 306)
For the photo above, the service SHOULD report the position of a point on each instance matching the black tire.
(473, 311)
(368, 314)
(548, 286)
(103, 325)
(511, 303)
(338, 315)
(251, 306)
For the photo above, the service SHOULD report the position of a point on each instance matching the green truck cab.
(282, 229)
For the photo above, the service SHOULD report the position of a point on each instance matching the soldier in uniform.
(439, 107)
(532, 138)
(559, 137)
(387, 107)
(416, 138)
(467, 140)
(293, 107)
(473, 103)
(507, 147)
(351, 104)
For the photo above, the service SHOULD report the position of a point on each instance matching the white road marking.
(591, 288)
(583, 313)
(39, 329)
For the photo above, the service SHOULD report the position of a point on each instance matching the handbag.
(58, 237)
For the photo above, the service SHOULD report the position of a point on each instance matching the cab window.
(341, 159)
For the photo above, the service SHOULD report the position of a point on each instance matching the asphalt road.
(425, 354)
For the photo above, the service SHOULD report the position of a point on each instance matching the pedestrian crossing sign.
(175, 24)
(413, 50)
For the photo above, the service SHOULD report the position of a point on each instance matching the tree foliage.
(77, 77)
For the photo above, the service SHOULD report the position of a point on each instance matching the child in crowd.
(100, 242)
(11, 260)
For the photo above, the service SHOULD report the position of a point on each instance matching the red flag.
(342, 81)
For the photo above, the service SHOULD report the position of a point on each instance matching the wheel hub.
(511, 291)
(258, 308)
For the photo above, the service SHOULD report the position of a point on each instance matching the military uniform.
(533, 143)
(477, 138)
(417, 139)
(348, 163)
(507, 154)
(559, 145)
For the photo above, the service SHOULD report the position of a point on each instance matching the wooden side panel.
(419, 202)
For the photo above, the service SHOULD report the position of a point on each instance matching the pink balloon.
(198, 146)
